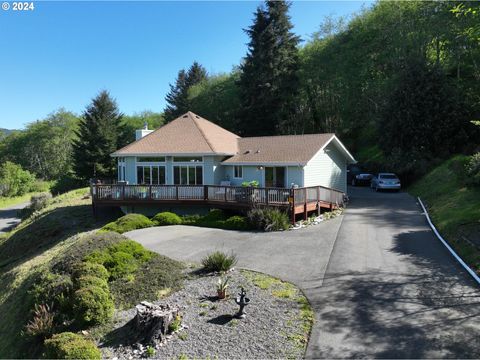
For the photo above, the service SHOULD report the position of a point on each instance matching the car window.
(388, 177)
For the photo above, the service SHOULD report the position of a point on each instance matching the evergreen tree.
(97, 138)
(177, 98)
(269, 79)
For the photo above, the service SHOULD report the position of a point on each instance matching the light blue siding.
(250, 173)
(294, 176)
(130, 171)
(327, 168)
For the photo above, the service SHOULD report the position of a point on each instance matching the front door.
(274, 177)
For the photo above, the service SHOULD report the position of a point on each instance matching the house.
(192, 163)
(191, 150)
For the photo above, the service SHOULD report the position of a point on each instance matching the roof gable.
(188, 134)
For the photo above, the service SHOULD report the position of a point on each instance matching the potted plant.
(222, 285)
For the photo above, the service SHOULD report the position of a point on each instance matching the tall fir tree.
(177, 99)
(97, 138)
(269, 79)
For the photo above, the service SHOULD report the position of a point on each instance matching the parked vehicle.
(353, 170)
(385, 181)
(361, 179)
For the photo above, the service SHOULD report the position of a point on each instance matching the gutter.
(449, 248)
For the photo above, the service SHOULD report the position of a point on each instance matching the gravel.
(272, 328)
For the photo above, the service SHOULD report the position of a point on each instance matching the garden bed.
(277, 324)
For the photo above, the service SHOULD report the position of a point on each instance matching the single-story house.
(191, 150)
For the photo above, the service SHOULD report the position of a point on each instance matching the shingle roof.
(188, 134)
(292, 149)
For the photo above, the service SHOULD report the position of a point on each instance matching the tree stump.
(152, 321)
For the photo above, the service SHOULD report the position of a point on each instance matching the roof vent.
(247, 152)
(257, 152)
(185, 116)
(198, 117)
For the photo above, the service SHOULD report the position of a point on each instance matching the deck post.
(305, 212)
(205, 192)
(319, 210)
(150, 192)
(176, 192)
(293, 206)
(123, 192)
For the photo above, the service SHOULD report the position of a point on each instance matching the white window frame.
(240, 167)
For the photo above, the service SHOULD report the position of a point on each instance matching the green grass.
(370, 153)
(10, 201)
(453, 207)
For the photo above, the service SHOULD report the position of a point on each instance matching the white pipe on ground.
(455, 255)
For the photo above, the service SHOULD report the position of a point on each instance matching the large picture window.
(151, 175)
(188, 175)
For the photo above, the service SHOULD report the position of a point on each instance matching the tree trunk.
(152, 321)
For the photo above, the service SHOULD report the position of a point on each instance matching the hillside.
(453, 207)
(46, 248)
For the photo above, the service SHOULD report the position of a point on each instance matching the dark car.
(357, 175)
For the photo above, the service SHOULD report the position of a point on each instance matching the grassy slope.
(453, 207)
(10, 201)
(26, 251)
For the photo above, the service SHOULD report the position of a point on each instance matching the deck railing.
(245, 196)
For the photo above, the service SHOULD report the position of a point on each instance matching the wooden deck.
(295, 200)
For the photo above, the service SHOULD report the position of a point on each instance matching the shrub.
(219, 261)
(268, 219)
(253, 183)
(42, 323)
(41, 186)
(158, 275)
(214, 215)
(68, 345)
(121, 259)
(175, 324)
(191, 219)
(473, 169)
(89, 280)
(14, 180)
(92, 305)
(53, 289)
(129, 222)
(66, 183)
(236, 223)
(167, 218)
(38, 202)
(90, 269)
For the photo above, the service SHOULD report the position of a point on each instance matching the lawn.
(10, 201)
(453, 206)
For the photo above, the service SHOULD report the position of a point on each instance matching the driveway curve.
(380, 283)
(9, 216)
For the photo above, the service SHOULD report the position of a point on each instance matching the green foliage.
(177, 99)
(237, 223)
(150, 351)
(66, 182)
(129, 222)
(54, 289)
(68, 345)
(253, 183)
(217, 99)
(130, 123)
(40, 201)
(175, 324)
(120, 259)
(92, 305)
(45, 146)
(268, 219)
(153, 278)
(219, 261)
(98, 137)
(473, 169)
(15, 181)
(90, 280)
(90, 268)
(42, 323)
(269, 78)
(214, 215)
(167, 218)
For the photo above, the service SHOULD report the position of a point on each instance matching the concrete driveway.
(381, 285)
(9, 218)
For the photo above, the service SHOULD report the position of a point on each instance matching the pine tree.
(269, 79)
(97, 138)
(177, 98)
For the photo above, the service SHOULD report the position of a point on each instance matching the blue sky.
(64, 52)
